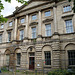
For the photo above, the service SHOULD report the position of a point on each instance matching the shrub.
(61, 72)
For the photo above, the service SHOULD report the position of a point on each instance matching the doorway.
(31, 63)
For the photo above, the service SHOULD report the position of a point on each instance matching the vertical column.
(15, 29)
(39, 25)
(55, 18)
(26, 29)
(40, 22)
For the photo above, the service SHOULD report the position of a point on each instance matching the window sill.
(17, 65)
(47, 66)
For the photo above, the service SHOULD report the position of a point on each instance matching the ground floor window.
(71, 57)
(18, 58)
(47, 58)
(7, 59)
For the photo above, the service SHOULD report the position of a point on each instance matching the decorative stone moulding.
(33, 23)
(47, 20)
(21, 26)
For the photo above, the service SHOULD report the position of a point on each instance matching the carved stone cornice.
(21, 26)
(47, 20)
(67, 15)
(33, 23)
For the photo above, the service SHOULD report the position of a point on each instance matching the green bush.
(61, 72)
(4, 69)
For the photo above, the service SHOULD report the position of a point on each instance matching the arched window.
(47, 55)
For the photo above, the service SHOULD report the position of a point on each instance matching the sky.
(9, 8)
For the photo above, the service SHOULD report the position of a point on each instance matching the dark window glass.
(9, 36)
(47, 58)
(18, 58)
(71, 57)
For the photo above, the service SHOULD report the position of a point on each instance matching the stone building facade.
(40, 34)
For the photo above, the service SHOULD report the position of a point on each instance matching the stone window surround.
(31, 30)
(46, 29)
(9, 23)
(21, 28)
(3, 26)
(67, 4)
(66, 18)
(68, 26)
(67, 59)
(21, 34)
(11, 35)
(46, 11)
(43, 56)
(32, 15)
(20, 20)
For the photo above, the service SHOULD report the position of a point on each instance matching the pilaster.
(39, 38)
(15, 29)
(55, 18)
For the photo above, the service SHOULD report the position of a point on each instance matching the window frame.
(18, 59)
(69, 25)
(47, 30)
(23, 20)
(34, 32)
(71, 61)
(11, 23)
(9, 37)
(46, 62)
(47, 12)
(32, 17)
(67, 7)
(21, 34)
(7, 61)
(2, 26)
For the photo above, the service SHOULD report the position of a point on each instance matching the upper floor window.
(48, 30)
(69, 26)
(34, 17)
(47, 58)
(0, 38)
(48, 13)
(71, 57)
(9, 36)
(2, 25)
(22, 20)
(21, 34)
(34, 32)
(10, 23)
(66, 8)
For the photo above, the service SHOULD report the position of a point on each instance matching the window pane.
(71, 57)
(47, 58)
(34, 17)
(9, 36)
(48, 30)
(69, 26)
(2, 26)
(18, 58)
(10, 23)
(66, 8)
(21, 34)
(7, 59)
(47, 13)
(22, 20)
(34, 32)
